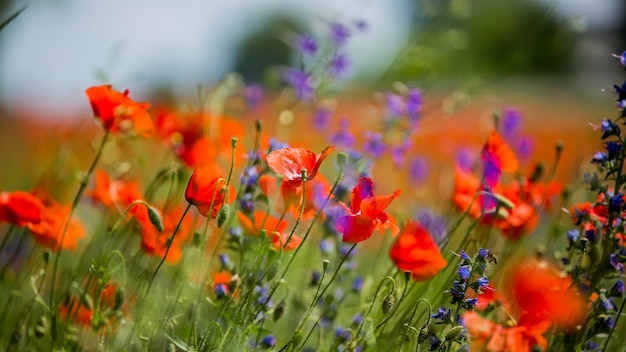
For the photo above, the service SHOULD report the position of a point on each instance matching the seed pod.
(120, 299)
(389, 302)
(222, 215)
(454, 332)
(155, 218)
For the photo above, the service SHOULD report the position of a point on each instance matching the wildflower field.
(312, 219)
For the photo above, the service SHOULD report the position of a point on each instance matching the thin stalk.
(57, 255)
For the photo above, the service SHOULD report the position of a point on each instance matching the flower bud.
(222, 215)
(155, 218)
(388, 303)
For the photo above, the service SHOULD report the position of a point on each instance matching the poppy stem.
(306, 235)
(167, 250)
(317, 298)
(57, 256)
(6, 237)
(619, 314)
(293, 230)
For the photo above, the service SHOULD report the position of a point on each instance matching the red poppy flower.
(207, 191)
(155, 242)
(20, 208)
(114, 193)
(118, 112)
(49, 231)
(416, 251)
(541, 292)
(274, 229)
(292, 196)
(289, 162)
(489, 336)
(368, 213)
(497, 157)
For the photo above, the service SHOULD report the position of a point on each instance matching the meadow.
(314, 219)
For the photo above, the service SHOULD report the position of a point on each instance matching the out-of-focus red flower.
(154, 242)
(114, 193)
(83, 314)
(118, 112)
(20, 208)
(416, 251)
(368, 213)
(208, 192)
(541, 292)
(292, 196)
(289, 162)
(199, 139)
(489, 336)
(496, 157)
(274, 228)
(49, 232)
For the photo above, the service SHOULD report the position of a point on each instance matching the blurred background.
(551, 60)
(56, 48)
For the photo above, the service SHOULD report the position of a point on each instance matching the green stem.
(167, 250)
(57, 256)
(317, 298)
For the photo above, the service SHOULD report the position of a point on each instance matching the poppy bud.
(155, 218)
(120, 298)
(454, 333)
(222, 215)
(389, 302)
(279, 310)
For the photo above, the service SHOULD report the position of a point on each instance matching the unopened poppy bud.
(279, 310)
(454, 333)
(155, 218)
(388, 303)
(559, 146)
(297, 337)
(325, 264)
(222, 215)
(342, 160)
(233, 142)
(120, 298)
(503, 201)
(258, 126)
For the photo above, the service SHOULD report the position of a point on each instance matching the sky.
(57, 48)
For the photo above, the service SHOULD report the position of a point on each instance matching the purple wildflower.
(374, 144)
(621, 57)
(465, 159)
(418, 169)
(306, 45)
(436, 226)
(301, 83)
(254, 95)
(618, 289)
(338, 65)
(360, 25)
(464, 272)
(267, 342)
(221, 290)
(525, 147)
(511, 122)
(339, 34)
(343, 137)
(414, 104)
(395, 105)
(276, 145)
(322, 117)
(397, 153)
